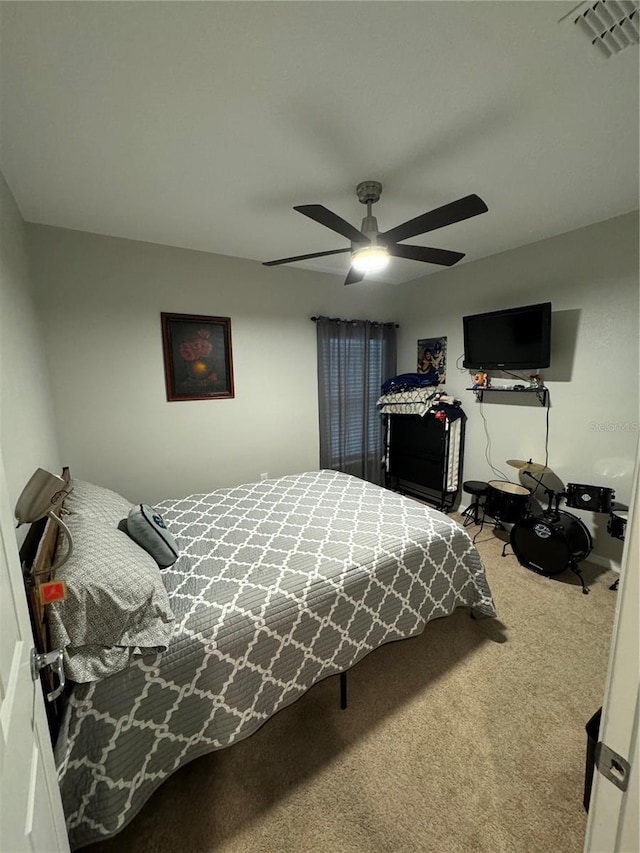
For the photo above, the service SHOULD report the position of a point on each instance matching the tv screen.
(514, 339)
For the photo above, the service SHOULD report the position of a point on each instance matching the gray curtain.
(354, 358)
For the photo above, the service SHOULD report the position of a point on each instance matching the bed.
(278, 585)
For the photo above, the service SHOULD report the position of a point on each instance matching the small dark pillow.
(146, 526)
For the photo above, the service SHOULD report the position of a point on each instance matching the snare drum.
(593, 498)
(506, 501)
(617, 524)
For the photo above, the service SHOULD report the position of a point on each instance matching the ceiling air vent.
(611, 25)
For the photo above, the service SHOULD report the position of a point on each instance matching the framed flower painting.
(198, 364)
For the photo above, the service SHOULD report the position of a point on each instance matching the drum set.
(552, 540)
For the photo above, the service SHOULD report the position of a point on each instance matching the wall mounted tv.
(513, 339)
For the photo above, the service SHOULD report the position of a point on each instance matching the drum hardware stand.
(497, 525)
(554, 497)
(573, 567)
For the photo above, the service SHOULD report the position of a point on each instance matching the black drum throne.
(477, 488)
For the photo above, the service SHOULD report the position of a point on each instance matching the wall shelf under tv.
(541, 393)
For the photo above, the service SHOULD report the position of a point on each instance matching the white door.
(31, 817)
(613, 813)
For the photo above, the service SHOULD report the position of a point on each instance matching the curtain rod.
(339, 320)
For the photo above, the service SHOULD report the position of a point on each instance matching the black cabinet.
(424, 457)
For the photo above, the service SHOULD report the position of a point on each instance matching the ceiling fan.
(371, 249)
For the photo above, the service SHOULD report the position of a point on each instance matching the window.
(354, 359)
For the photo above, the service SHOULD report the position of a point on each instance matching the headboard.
(37, 556)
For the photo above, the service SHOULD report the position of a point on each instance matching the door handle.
(54, 660)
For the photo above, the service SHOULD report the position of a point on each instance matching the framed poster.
(432, 359)
(198, 363)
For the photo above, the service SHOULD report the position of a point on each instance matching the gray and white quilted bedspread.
(280, 584)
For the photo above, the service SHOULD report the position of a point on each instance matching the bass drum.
(548, 543)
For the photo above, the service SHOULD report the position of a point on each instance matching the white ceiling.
(200, 125)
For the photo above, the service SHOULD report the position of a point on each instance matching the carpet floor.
(470, 737)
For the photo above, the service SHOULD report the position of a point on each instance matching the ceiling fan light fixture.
(370, 259)
(370, 249)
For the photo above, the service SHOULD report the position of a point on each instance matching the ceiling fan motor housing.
(369, 228)
(369, 191)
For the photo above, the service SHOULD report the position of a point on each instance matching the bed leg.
(343, 690)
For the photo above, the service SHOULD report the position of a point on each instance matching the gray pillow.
(115, 599)
(96, 502)
(146, 526)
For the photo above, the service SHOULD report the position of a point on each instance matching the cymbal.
(531, 467)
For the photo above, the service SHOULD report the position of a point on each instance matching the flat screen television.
(512, 339)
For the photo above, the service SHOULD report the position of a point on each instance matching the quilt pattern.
(279, 584)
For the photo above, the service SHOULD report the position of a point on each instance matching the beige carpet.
(468, 738)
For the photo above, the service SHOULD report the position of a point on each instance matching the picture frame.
(198, 360)
(432, 359)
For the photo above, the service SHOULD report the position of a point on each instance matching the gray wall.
(27, 431)
(591, 278)
(102, 299)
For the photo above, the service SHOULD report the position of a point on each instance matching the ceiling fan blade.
(304, 257)
(455, 211)
(424, 253)
(354, 275)
(326, 217)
